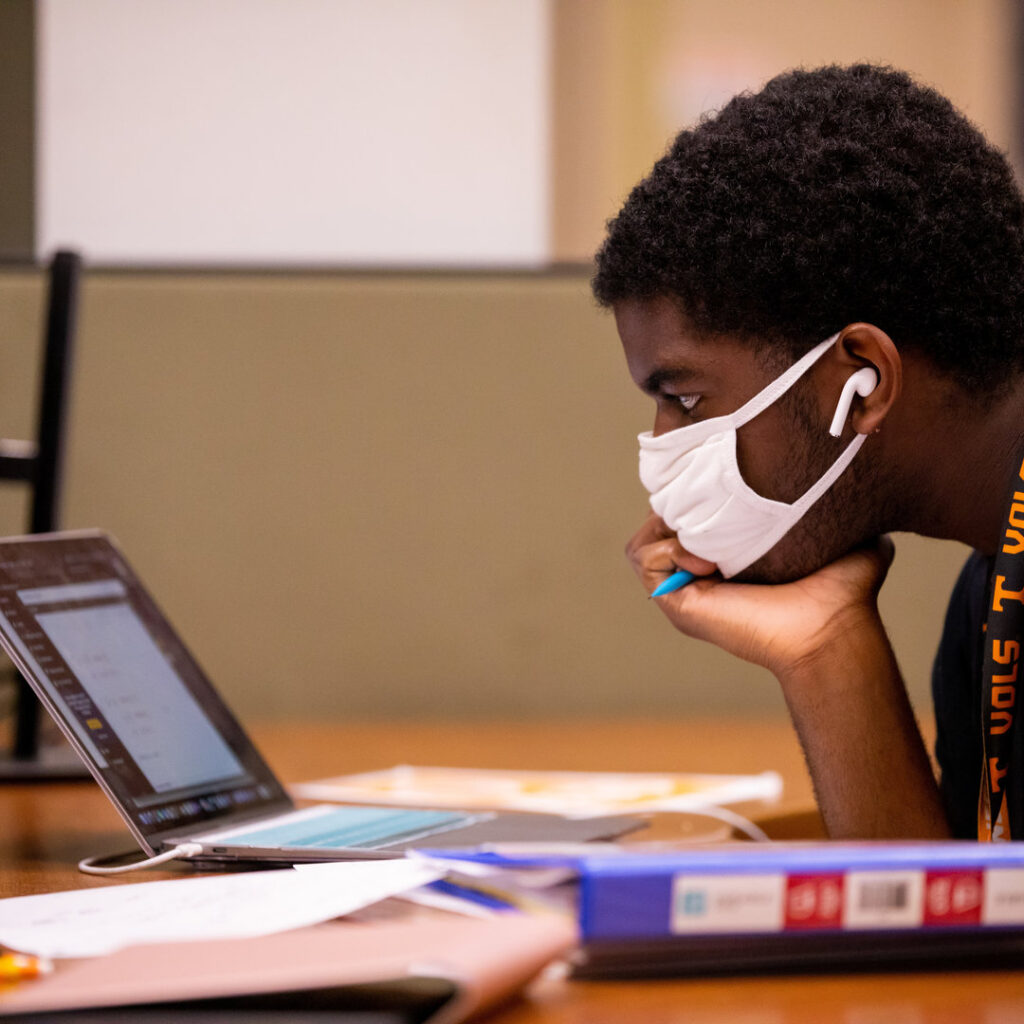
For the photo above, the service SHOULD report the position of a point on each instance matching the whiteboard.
(294, 131)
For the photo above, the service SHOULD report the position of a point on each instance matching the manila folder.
(454, 966)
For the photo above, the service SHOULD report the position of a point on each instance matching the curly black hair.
(833, 195)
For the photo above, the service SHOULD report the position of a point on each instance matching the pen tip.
(675, 582)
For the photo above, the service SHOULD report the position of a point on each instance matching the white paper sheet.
(574, 794)
(88, 922)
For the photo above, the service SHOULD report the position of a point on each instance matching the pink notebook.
(439, 970)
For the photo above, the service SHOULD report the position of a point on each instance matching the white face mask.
(697, 489)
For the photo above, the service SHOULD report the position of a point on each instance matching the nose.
(669, 416)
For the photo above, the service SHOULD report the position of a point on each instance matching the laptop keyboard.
(349, 827)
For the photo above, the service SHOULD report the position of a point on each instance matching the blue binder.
(800, 905)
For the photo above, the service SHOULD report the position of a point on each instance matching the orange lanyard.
(1000, 803)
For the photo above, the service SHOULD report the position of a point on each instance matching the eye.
(688, 402)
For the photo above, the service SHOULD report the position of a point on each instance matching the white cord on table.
(737, 821)
(184, 850)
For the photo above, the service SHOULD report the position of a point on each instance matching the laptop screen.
(118, 679)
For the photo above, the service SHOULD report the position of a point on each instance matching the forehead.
(660, 344)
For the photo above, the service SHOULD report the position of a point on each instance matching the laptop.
(158, 738)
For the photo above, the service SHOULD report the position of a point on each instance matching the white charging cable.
(736, 821)
(91, 865)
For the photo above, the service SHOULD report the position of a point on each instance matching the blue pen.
(472, 894)
(676, 581)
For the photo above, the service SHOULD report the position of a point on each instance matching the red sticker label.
(814, 901)
(953, 897)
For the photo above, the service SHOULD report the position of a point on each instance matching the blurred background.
(340, 388)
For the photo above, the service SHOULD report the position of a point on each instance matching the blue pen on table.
(676, 581)
(473, 892)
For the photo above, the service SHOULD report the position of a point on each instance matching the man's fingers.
(652, 529)
(653, 562)
(654, 556)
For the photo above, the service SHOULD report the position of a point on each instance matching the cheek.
(837, 522)
(782, 455)
(768, 454)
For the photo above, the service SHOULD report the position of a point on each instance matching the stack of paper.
(576, 794)
(90, 922)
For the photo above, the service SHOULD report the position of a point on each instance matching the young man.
(854, 218)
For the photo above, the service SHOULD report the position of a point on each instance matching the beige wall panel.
(361, 495)
(21, 333)
(650, 67)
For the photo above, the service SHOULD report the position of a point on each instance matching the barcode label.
(884, 899)
(884, 896)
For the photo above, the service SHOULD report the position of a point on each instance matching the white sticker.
(884, 899)
(728, 903)
(1004, 896)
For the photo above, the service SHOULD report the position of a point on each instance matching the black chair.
(39, 464)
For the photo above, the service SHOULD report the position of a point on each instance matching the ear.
(863, 345)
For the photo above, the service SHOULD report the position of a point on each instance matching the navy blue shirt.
(956, 692)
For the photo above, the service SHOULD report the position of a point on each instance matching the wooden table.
(46, 829)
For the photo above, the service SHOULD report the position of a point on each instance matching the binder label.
(884, 899)
(728, 903)
(1004, 896)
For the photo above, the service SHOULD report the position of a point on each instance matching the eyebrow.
(654, 381)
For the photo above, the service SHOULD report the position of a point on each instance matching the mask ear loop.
(778, 387)
(862, 383)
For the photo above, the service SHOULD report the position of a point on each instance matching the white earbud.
(862, 383)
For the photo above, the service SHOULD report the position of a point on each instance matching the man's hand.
(823, 639)
(778, 627)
